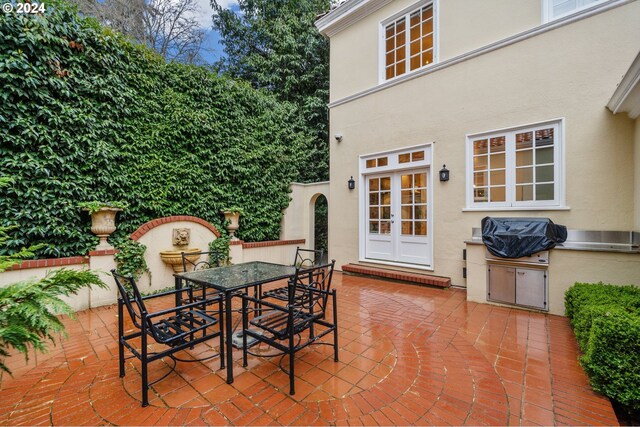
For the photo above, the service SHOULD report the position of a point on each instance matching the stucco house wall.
(567, 72)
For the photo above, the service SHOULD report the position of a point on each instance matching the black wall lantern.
(351, 183)
(444, 173)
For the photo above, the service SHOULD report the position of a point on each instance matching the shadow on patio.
(409, 355)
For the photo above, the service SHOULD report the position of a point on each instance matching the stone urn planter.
(233, 216)
(174, 258)
(103, 223)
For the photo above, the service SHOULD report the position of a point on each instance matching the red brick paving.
(409, 356)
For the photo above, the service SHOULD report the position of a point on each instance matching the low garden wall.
(157, 235)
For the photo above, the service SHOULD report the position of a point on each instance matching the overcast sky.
(212, 50)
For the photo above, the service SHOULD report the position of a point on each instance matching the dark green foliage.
(87, 115)
(274, 45)
(321, 224)
(606, 320)
(130, 258)
(28, 309)
(221, 247)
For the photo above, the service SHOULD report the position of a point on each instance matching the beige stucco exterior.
(298, 220)
(565, 72)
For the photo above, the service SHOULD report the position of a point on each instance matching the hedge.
(85, 115)
(606, 321)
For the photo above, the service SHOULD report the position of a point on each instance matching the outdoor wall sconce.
(351, 183)
(444, 173)
(338, 137)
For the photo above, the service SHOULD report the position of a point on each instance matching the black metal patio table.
(230, 279)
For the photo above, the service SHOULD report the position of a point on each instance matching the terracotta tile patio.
(409, 355)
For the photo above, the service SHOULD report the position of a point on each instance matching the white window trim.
(558, 203)
(547, 10)
(394, 166)
(382, 45)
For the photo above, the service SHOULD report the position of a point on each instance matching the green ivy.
(88, 115)
(95, 206)
(130, 258)
(221, 247)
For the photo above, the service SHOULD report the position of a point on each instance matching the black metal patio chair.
(304, 259)
(189, 263)
(282, 326)
(177, 328)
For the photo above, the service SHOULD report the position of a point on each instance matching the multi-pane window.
(558, 8)
(409, 42)
(515, 167)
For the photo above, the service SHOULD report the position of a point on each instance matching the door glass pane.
(406, 181)
(385, 227)
(385, 183)
(407, 212)
(421, 212)
(421, 180)
(386, 198)
(374, 213)
(374, 184)
(420, 228)
(420, 196)
(386, 212)
(407, 197)
(374, 227)
(373, 199)
(407, 227)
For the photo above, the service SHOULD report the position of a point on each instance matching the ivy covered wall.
(87, 115)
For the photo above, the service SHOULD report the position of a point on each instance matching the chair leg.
(335, 326)
(292, 353)
(143, 360)
(245, 326)
(120, 336)
(221, 321)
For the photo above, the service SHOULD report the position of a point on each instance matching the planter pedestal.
(103, 223)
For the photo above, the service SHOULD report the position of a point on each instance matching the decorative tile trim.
(51, 262)
(148, 226)
(250, 245)
(423, 279)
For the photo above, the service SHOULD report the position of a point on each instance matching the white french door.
(397, 219)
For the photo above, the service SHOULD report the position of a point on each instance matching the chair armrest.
(171, 292)
(185, 306)
(265, 303)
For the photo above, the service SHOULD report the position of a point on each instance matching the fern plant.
(29, 309)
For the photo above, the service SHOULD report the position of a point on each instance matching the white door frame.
(391, 163)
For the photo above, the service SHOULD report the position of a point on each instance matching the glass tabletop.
(238, 276)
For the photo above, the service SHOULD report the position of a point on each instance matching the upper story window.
(520, 167)
(409, 41)
(554, 9)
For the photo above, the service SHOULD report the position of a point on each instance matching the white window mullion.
(510, 163)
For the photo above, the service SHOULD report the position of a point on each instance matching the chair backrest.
(192, 261)
(308, 280)
(308, 257)
(131, 297)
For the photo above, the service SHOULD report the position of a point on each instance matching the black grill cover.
(519, 237)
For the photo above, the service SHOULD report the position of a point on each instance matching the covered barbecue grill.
(520, 237)
(518, 259)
